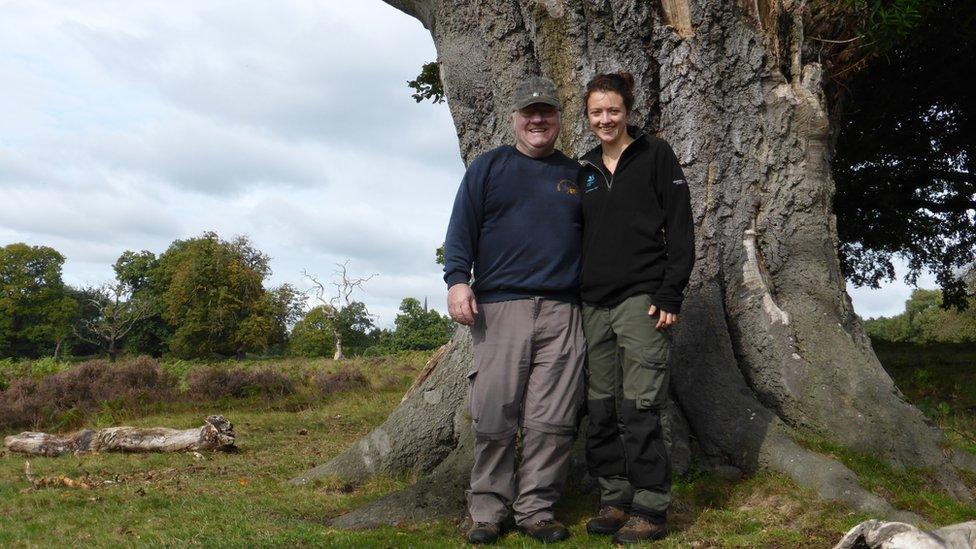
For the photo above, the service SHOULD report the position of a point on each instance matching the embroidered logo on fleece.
(590, 183)
(679, 181)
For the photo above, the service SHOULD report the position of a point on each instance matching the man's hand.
(461, 304)
(666, 320)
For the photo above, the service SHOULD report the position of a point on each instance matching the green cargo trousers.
(628, 388)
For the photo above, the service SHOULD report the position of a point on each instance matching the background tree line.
(203, 297)
(926, 321)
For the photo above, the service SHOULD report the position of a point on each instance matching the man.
(517, 221)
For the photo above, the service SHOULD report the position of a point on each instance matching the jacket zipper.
(609, 182)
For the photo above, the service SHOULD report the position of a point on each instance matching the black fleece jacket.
(638, 233)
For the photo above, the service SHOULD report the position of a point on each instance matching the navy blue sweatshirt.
(518, 221)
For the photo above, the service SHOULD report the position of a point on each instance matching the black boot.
(483, 533)
(610, 519)
(546, 531)
(639, 529)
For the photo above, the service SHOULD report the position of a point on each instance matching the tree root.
(419, 433)
(964, 460)
(732, 425)
(435, 496)
(712, 402)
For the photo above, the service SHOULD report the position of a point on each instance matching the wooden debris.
(875, 534)
(216, 434)
(428, 368)
(55, 481)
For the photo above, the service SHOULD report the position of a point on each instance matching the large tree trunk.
(768, 342)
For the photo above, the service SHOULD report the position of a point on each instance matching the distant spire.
(425, 304)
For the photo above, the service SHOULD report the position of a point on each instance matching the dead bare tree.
(117, 313)
(336, 302)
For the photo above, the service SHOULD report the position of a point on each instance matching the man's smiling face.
(536, 129)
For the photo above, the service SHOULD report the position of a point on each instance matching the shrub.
(11, 369)
(326, 383)
(46, 366)
(180, 369)
(214, 383)
(65, 397)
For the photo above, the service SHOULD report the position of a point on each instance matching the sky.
(126, 125)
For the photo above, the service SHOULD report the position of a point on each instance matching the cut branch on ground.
(217, 433)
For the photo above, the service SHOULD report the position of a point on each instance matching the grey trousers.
(528, 373)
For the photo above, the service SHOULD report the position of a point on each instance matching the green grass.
(915, 490)
(225, 499)
(243, 499)
(941, 381)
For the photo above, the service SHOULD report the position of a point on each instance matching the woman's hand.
(665, 320)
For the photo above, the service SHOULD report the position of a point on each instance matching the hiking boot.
(610, 519)
(546, 531)
(639, 529)
(483, 533)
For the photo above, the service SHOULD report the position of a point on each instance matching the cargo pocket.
(467, 398)
(652, 379)
(483, 354)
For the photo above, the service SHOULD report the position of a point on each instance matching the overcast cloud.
(126, 125)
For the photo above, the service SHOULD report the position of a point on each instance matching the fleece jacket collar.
(594, 157)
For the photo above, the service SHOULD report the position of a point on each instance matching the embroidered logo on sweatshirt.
(679, 181)
(567, 186)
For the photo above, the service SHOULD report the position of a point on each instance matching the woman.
(634, 194)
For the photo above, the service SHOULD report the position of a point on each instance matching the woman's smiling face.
(607, 115)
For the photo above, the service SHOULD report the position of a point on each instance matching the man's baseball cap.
(536, 89)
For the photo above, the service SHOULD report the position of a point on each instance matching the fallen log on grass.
(216, 434)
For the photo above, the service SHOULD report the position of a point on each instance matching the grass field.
(242, 498)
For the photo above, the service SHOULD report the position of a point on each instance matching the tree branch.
(848, 41)
(418, 9)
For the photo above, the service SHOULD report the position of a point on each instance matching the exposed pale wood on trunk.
(216, 434)
(428, 368)
(677, 13)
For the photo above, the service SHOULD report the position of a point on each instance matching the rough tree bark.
(768, 343)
